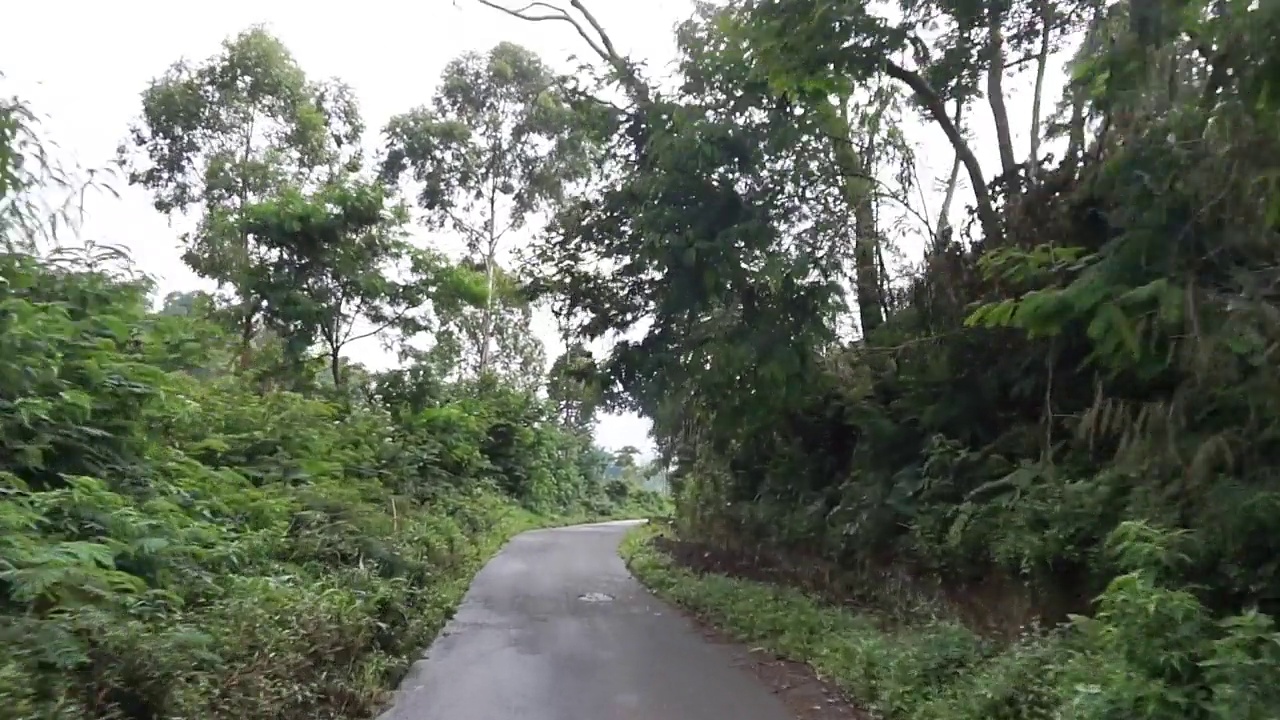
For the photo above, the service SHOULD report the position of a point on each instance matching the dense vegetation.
(1065, 409)
(1042, 448)
(207, 510)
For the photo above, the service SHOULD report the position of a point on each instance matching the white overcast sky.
(82, 64)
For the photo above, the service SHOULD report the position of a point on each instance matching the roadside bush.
(1150, 652)
(175, 543)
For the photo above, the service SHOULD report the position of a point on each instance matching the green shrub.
(175, 542)
(1149, 652)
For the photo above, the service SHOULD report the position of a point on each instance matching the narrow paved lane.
(554, 628)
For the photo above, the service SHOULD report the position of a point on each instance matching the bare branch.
(392, 321)
(938, 111)
(556, 15)
(602, 45)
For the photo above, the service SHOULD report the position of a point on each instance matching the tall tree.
(235, 129)
(326, 261)
(705, 220)
(625, 457)
(940, 51)
(573, 386)
(515, 354)
(497, 145)
(851, 141)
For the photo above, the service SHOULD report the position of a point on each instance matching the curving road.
(554, 628)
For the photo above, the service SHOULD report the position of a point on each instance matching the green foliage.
(164, 534)
(235, 127)
(497, 146)
(324, 262)
(1149, 652)
(233, 137)
(499, 129)
(191, 526)
(1095, 354)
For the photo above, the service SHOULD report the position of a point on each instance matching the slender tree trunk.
(995, 87)
(866, 274)
(1042, 61)
(486, 323)
(937, 109)
(882, 271)
(246, 339)
(491, 249)
(247, 304)
(858, 192)
(1076, 126)
(942, 236)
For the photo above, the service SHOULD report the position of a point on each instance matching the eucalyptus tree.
(504, 317)
(496, 147)
(219, 135)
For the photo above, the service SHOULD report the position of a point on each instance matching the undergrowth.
(1149, 652)
(192, 529)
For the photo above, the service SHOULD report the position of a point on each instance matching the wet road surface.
(554, 628)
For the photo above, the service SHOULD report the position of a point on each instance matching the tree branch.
(938, 111)
(394, 319)
(555, 15)
(602, 45)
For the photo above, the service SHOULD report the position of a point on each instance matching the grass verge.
(1148, 652)
(935, 670)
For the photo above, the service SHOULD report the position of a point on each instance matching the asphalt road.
(554, 628)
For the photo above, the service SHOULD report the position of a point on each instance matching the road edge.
(803, 689)
(487, 544)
